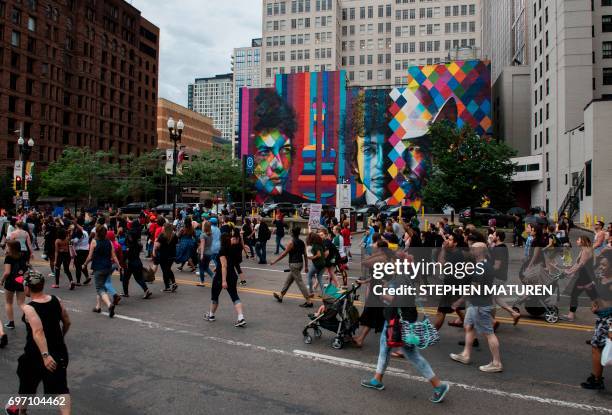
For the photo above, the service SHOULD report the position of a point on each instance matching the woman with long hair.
(165, 253)
(133, 262)
(583, 271)
(80, 242)
(317, 257)
(226, 278)
(22, 235)
(102, 257)
(12, 280)
(62, 257)
(186, 245)
(205, 252)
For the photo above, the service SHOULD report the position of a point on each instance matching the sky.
(197, 38)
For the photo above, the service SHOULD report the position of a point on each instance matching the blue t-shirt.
(216, 239)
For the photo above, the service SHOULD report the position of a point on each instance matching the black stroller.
(340, 316)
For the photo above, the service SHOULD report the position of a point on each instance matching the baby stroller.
(339, 316)
(537, 306)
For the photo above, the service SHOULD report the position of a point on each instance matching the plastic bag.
(606, 354)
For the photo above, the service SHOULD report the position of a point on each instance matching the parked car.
(481, 216)
(325, 210)
(286, 209)
(408, 212)
(249, 206)
(166, 209)
(134, 208)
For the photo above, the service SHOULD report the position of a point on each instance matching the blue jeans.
(279, 238)
(410, 352)
(311, 272)
(205, 266)
(260, 250)
(103, 282)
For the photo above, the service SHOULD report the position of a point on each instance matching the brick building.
(76, 73)
(199, 131)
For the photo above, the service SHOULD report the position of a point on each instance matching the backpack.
(264, 232)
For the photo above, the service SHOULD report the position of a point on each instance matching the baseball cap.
(214, 221)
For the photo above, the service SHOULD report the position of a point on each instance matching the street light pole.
(176, 131)
(25, 149)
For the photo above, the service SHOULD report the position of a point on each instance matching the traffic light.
(18, 183)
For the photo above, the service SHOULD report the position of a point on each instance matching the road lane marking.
(431, 310)
(355, 364)
(338, 361)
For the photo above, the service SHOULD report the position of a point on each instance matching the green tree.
(80, 173)
(466, 167)
(141, 176)
(6, 190)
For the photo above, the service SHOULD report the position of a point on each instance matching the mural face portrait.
(272, 162)
(370, 164)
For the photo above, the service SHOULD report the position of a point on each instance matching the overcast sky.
(197, 38)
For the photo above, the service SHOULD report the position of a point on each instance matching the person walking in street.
(346, 234)
(263, 236)
(216, 240)
(317, 257)
(102, 257)
(165, 252)
(62, 257)
(205, 252)
(186, 245)
(12, 280)
(45, 356)
(331, 255)
(249, 237)
(279, 231)
(22, 235)
(599, 241)
(410, 352)
(602, 308)
(479, 316)
(583, 272)
(133, 262)
(225, 278)
(49, 237)
(296, 249)
(237, 248)
(80, 242)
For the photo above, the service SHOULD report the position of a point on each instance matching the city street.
(159, 356)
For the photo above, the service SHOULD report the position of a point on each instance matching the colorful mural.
(311, 132)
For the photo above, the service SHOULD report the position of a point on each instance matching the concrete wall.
(598, 124)
(511, 109)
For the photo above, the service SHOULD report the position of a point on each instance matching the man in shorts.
(45, 357)
(479, 317)
(451, 252)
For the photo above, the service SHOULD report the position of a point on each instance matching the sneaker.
(10, 325)
(439, 393)
(240, 323)
(3, 341)
(87, 281)
(72, 285)
(307, 305)
(166, 290)
(457, 357)
(111, 311)
(278, 297)
(593, 384)
(372, 384)
(209, 317)
(491, 368)
(243, 282)
(173, 287)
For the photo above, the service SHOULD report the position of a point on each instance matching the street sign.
(169, 160)
(249, 162)
(18, 170)
(343, 196)
(25, 195)
(314, 220)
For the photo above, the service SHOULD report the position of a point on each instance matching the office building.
(214, 98)
(246, 69)
(373, 40)
(198, 134)
(571, 86)
(76, 73)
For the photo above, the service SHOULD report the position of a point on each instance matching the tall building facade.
(214, 98)
(199, 131)
(571, 82)
(76, 73)
(246, 68)
(373, 40)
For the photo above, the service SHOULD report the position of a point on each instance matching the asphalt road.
(159, 356)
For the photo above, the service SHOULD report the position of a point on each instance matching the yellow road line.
(430, 310)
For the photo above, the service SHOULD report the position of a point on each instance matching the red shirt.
(346, 235)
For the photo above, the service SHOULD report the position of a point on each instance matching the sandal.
(97, 310)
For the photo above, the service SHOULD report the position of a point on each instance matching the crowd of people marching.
(95, 246)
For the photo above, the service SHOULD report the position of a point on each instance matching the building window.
(546, 166)
(606, 23)
(607, 50)
(607, 76)
(606, 2)
(15, 38)
(587, 178)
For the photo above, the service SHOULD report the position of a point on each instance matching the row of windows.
(367, 59)
(383, 11)
(369, 44)
(433, 46)
(369, 28)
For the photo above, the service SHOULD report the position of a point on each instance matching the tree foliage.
(466, 168)
(141, 176)
(213, 170)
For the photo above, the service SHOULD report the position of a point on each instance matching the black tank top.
(296, 255)
(50, 314)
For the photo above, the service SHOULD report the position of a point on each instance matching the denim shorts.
(481, 318)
